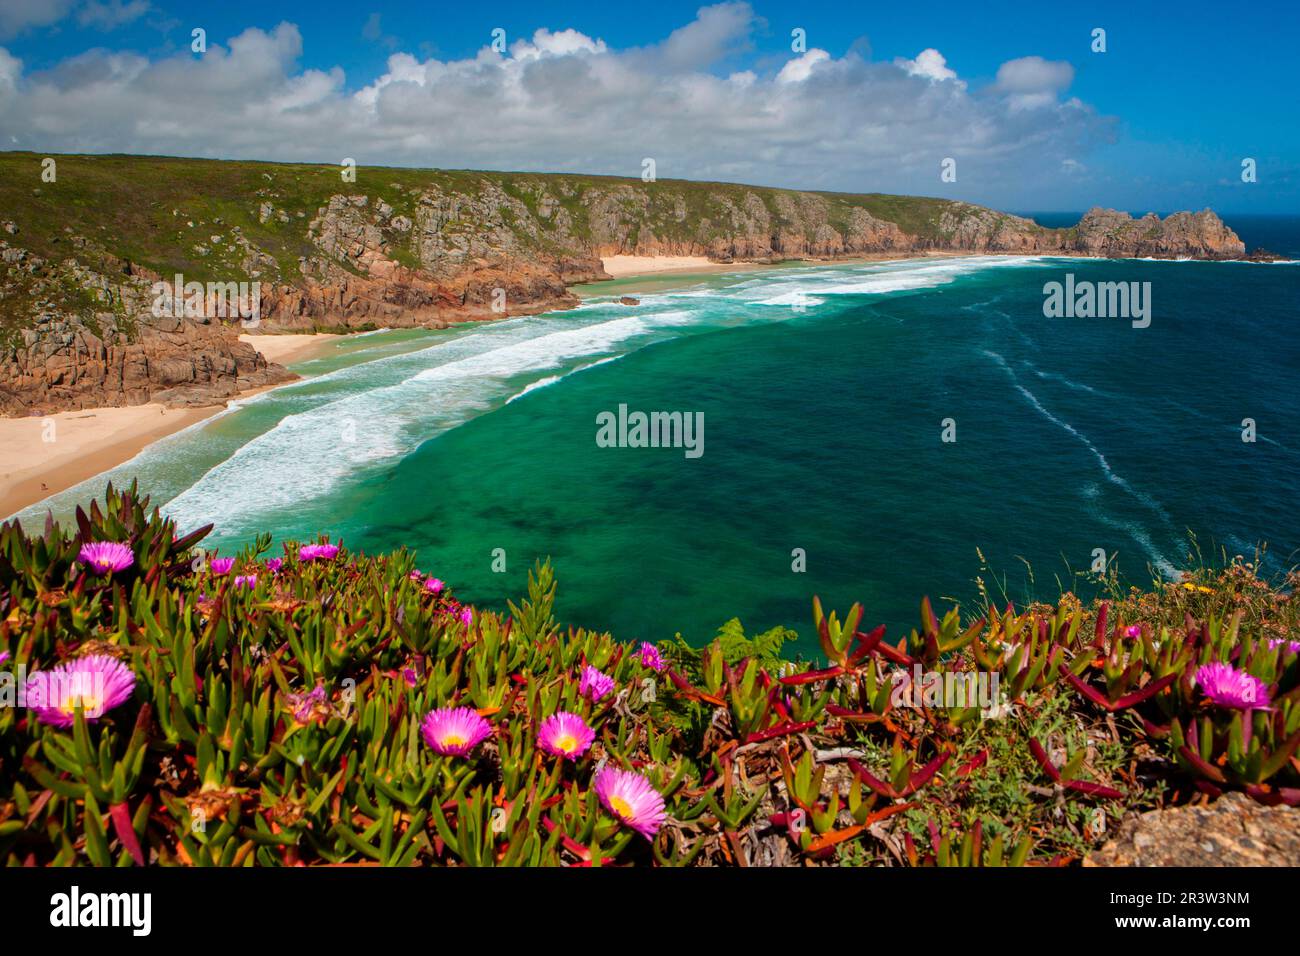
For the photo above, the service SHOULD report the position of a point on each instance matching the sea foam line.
(1109, 472)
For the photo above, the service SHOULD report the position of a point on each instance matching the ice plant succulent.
(313, 552)
(256, 713)
(433, 585)
(566, 735)
(651, 657)
(221, 566)
(106, 556)
(310, 705)
(630, 797)
(594, 684)
(97, 683)
(454, 731)
(1228, 687)
(246, 581)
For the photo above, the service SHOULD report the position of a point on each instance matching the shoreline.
(86, 443)
(289, 347)
(90, 441)
(633, 267)
(636, 267)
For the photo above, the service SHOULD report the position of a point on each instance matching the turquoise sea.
(824, 390)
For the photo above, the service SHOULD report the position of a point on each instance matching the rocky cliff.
(80, 257)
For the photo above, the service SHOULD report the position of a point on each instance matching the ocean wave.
(309, 453)
(1157, 559)
(874, 279)
(534, 386)
(1107, 470)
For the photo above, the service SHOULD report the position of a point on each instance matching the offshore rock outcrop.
(438, 248)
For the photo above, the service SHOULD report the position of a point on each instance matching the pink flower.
(106, 556)
(1291, 646)
(467, 616)
(594, 684)
(4, 656)
(273, 564)
(1229, 687)
(629, 796)
(305, 706)
(246, 581)
(409, 675)
(97, 683)
(651, 657)
(221, 565)
(416, 574)
(1133, 630)
(454, 731)
(565, 735)
(312, 552)
(433, 585)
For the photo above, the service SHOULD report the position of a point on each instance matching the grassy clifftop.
(140, 207)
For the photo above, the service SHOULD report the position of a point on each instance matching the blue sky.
(1161, 120)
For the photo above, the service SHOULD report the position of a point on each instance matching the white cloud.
(930, 64)
(111, 14)
(19, 15)
(565, 101)
(10, 69)
(716, 32)
(561, 43)
(1031, 82)
(800, 68)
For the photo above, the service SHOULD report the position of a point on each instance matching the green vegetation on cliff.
(323, 706)
(141, 207)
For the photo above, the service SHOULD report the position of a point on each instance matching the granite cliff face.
(412, 248)
(118, 355)
(63, 364)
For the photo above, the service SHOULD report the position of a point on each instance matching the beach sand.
(90, 441)
(621, 266)
(294, 347)
(84, 444)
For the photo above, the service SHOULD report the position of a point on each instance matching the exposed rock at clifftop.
(410, 248)
(1232, 831)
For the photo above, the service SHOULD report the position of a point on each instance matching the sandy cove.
(631, 267)
(285, 349)
(623, 267)
(46, 454)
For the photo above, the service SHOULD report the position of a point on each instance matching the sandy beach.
(44, 455)
(294, 347)
(48, 454)
(626, 267)
(620, 267)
